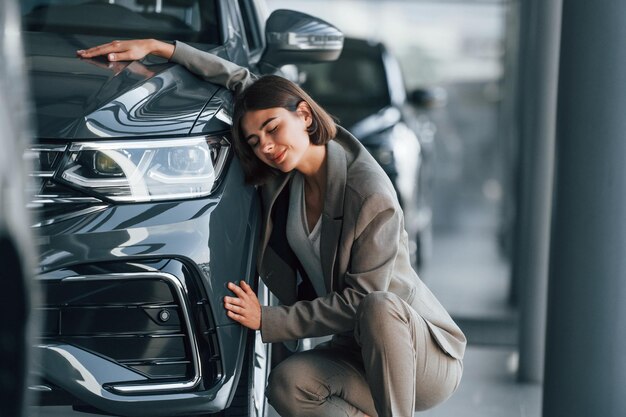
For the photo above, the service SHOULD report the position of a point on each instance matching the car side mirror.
(293, 37)
(428, 98)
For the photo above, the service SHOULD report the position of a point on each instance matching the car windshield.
(186, 20)
(356, 77)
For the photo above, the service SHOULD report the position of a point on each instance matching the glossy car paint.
(202, 243)
(88, 99)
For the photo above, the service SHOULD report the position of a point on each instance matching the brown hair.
(271, 91)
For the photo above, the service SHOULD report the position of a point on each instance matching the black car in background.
(364, 89)
(142, 213)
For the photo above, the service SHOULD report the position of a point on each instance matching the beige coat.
(364, 246)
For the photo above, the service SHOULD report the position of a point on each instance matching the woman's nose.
(267, 146)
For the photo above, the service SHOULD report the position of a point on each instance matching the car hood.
(92, 98)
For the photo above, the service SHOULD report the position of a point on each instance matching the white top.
(305, 244)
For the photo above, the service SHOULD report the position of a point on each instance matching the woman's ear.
(304, 110)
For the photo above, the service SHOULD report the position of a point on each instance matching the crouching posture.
(333, 250)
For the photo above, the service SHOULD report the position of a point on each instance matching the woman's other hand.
(130, 50)
(245, 308)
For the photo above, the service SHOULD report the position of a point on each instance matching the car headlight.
(146, 170)
(379, 144)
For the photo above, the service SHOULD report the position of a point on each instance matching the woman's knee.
(280, 386)
(376, 308)
(276, 386)
(291, 385)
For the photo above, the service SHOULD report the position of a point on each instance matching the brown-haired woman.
(333, 250)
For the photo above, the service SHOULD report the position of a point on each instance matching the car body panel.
(86, 99)
(210, 232)
(201, 243)
(198, 233)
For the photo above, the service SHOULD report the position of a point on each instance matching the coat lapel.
(332, 215)
(269, 193)
(275, 261)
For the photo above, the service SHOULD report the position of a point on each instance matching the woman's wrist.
(162, 49)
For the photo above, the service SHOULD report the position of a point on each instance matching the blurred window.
(251, 26)
(357, 77)
(186, 20)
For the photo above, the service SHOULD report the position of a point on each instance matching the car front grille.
(140, 321)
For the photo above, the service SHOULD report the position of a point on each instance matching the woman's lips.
(279, 158)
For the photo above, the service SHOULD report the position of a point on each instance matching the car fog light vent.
(164, 315)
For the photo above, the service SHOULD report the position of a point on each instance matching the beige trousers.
(394, 369)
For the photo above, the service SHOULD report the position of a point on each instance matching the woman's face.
(278, 136)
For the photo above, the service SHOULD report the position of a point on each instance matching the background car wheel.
(419, 257)
(424, 247)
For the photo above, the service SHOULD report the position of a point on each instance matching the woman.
(333, 250)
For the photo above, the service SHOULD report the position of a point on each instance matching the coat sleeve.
(372, 260)
(212, 68)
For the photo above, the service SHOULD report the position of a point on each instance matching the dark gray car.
(143, 215)
(365, 90)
